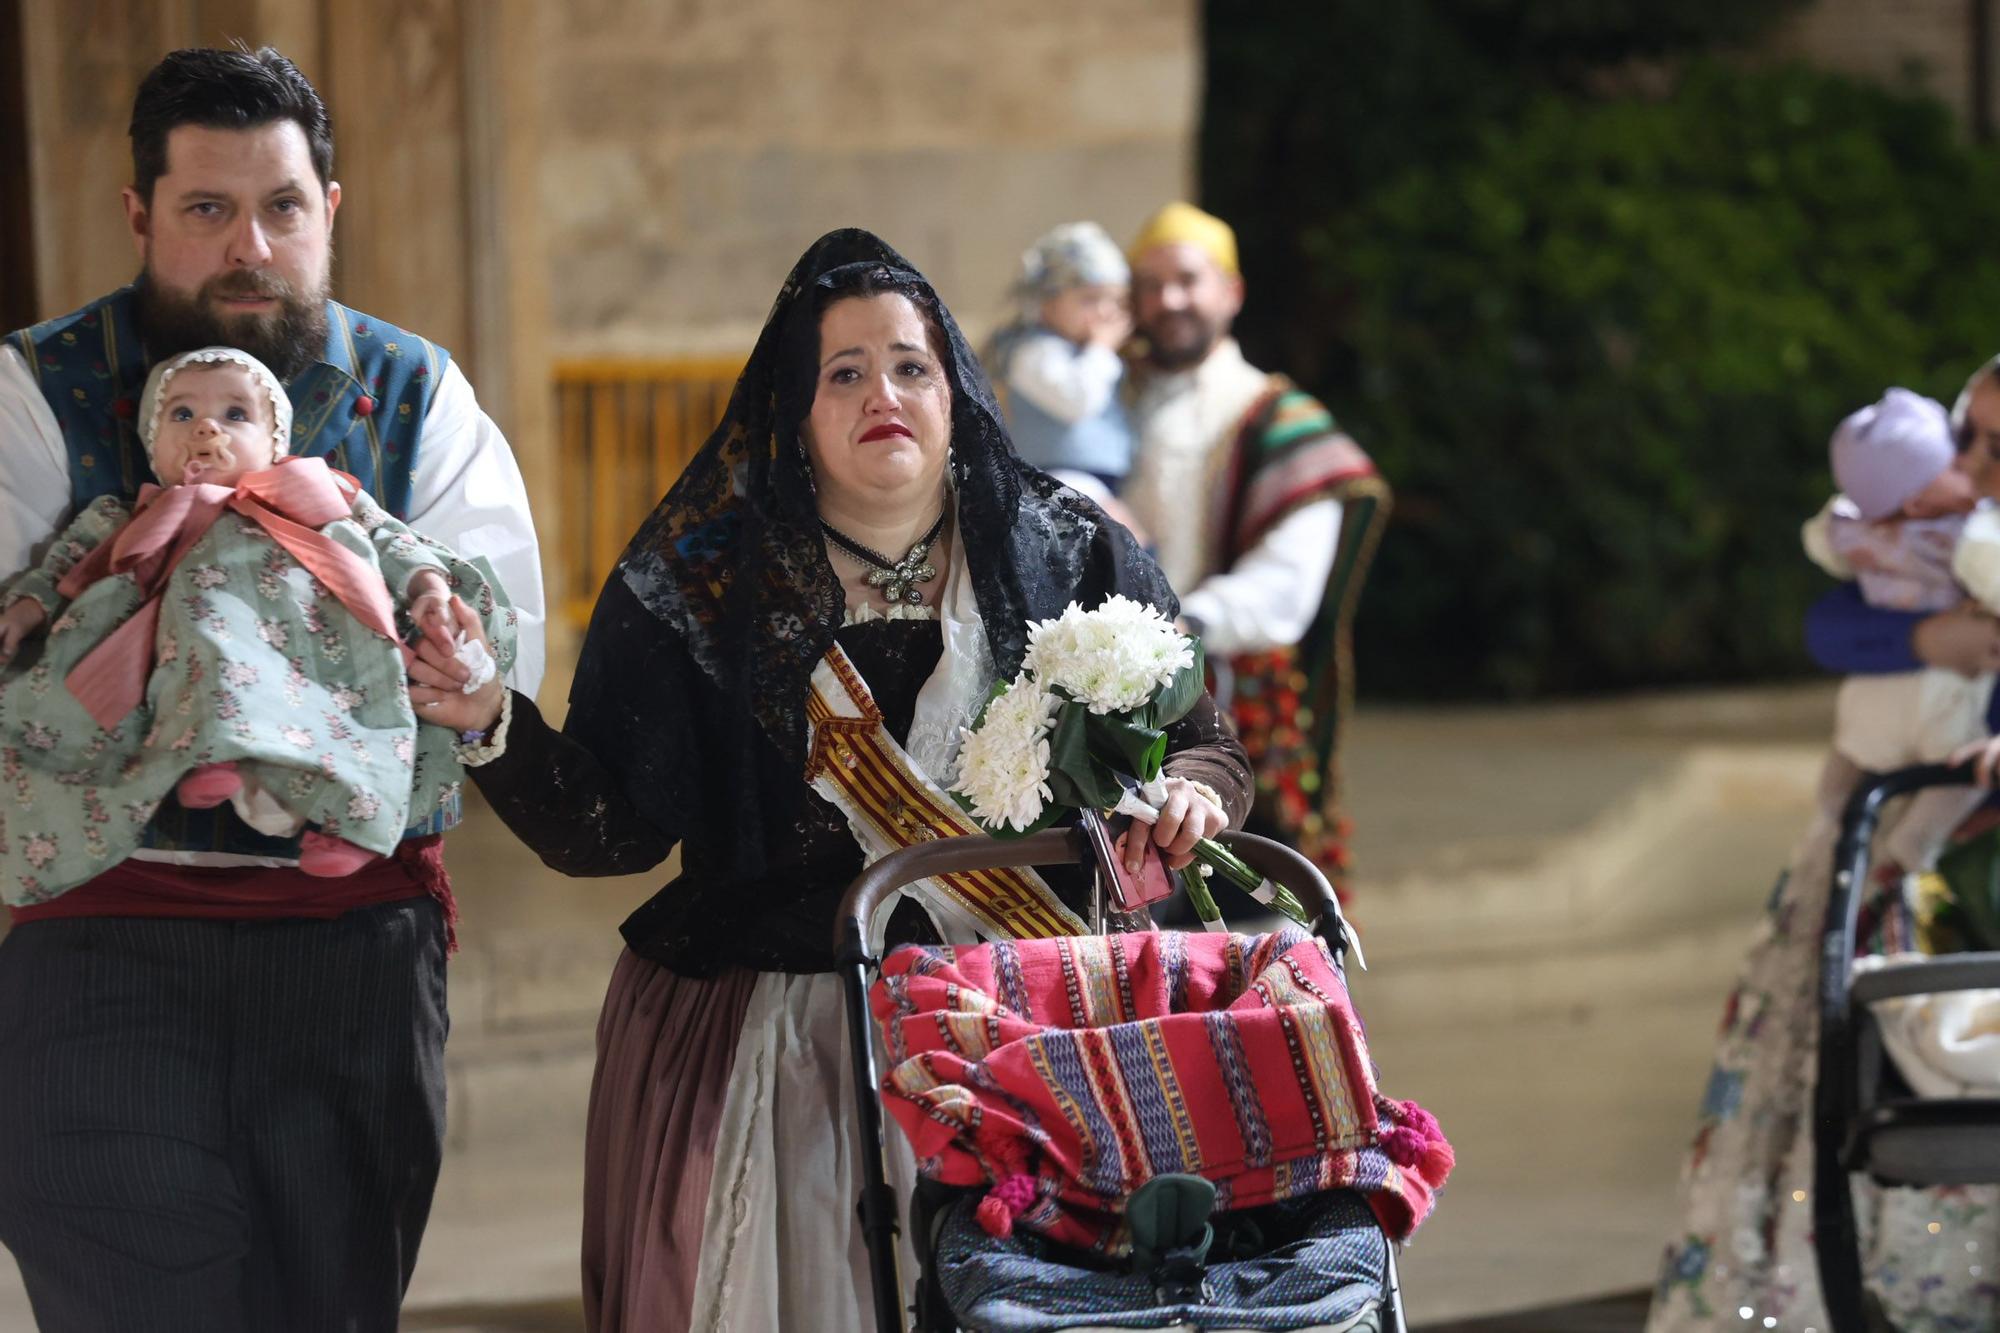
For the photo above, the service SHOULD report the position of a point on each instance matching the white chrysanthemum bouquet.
(1083, 726)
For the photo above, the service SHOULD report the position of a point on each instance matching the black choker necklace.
(896, 578)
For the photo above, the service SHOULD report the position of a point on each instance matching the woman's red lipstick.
(885, 431)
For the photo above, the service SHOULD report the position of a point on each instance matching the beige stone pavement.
(1553, 899)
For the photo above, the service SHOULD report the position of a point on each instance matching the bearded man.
(221, 1079)
(1264, 514)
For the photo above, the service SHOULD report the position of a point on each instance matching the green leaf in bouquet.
(1178, 695)
(1127, 745)
(1077, 779)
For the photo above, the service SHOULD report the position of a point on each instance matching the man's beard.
(287, 340)
(1191, 350)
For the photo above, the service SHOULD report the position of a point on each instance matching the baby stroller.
(1324, 1257)
(1866, 1118)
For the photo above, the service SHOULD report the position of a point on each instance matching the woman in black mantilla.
(862, 440)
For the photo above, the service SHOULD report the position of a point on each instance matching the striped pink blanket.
(1068, 1072)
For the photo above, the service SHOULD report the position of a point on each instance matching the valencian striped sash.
(853, 762)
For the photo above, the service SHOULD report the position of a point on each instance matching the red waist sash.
(253, 893)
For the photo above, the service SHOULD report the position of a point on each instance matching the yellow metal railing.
(624, 431)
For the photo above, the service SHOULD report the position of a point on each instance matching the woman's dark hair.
(798, 373)
(881, 280)
(855, 282)
(233, 89)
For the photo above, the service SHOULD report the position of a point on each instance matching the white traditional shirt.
(1187, 424)
(467, 493)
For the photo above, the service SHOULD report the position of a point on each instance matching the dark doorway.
(18, 306)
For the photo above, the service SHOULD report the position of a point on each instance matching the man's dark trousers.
(221, 1125)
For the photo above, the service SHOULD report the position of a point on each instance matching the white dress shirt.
(1186, 425)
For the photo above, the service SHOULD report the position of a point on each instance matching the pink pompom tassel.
(1404, 1145)
(1436, 1163)
(1007, 1200)
(1416, 1141)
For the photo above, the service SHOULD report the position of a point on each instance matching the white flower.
(1003, 767)
(1113, 659)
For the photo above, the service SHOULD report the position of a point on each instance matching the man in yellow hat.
(1255, 498)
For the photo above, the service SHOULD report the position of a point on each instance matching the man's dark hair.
(236, 89)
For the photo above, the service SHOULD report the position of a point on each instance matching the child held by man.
(1059, 363)
(231, 638)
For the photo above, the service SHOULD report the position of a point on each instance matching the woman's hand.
(437, 675)
(1186, 817)
(1985, 756)
(19, 623)
(1965, 640)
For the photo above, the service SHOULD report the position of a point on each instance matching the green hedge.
(1600, 354)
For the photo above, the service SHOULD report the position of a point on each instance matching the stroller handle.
(1055, 846)
(1852, 854)
(1851, 862)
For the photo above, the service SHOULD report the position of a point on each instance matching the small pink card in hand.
(1151, 883)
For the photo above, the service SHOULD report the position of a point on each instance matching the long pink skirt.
(665, 1046)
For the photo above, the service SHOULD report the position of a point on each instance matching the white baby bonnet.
(152, 400)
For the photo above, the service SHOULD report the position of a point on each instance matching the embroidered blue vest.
(361, 406)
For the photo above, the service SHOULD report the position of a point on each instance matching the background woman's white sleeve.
(1815, 535)
(1975, 561)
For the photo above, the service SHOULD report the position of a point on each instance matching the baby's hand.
(430, 609)
(1111, 329)
(19, 623)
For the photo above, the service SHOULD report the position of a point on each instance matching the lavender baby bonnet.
(1888, 451)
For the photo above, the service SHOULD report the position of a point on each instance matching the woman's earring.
(806, 466)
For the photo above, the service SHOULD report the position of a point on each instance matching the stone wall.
(693, 149)
(1924, 44)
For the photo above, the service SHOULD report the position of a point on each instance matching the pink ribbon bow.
(291, 501)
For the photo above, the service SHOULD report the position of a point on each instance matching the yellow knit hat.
(1184, 224)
